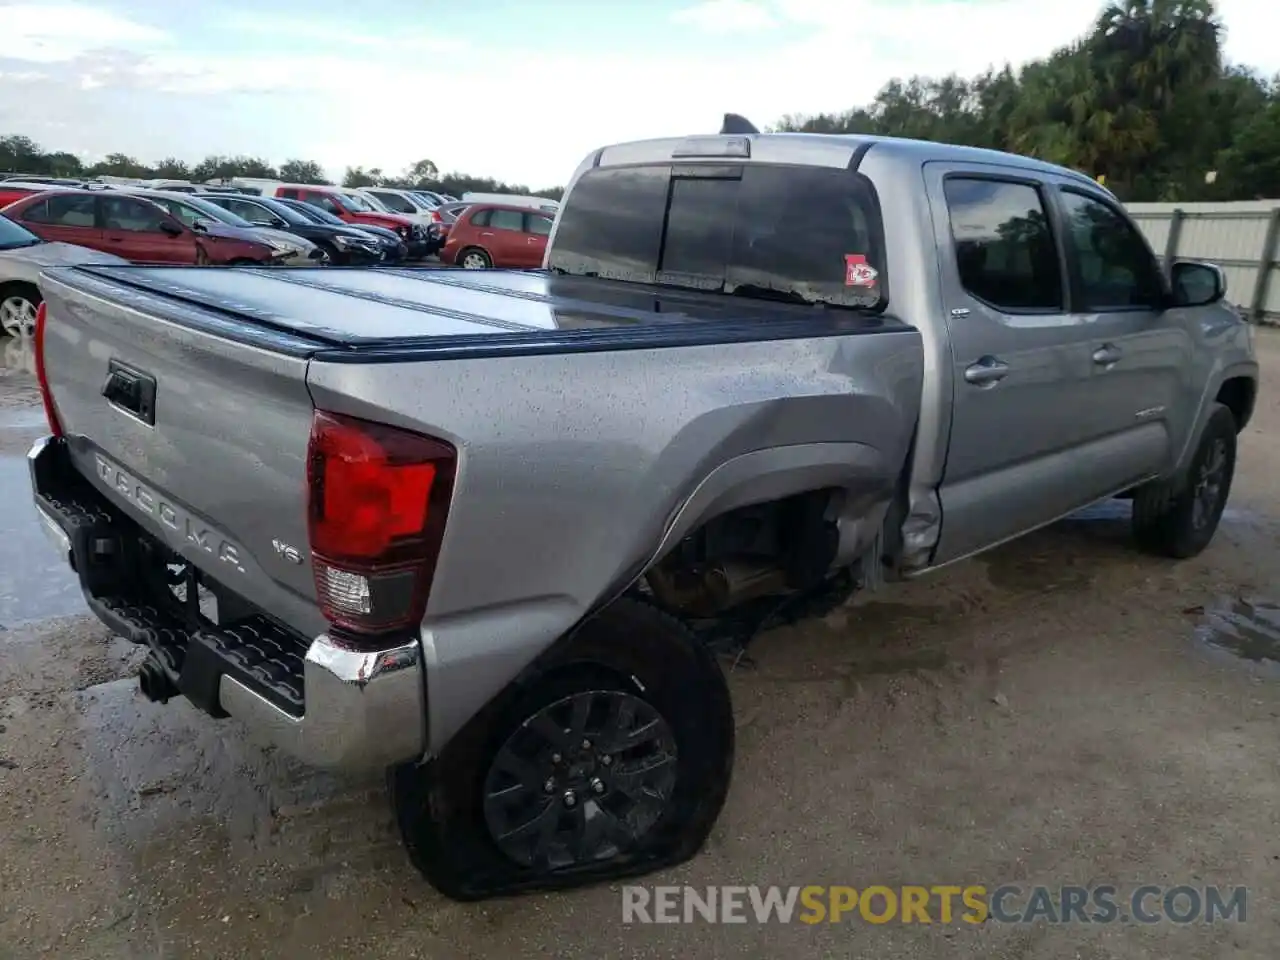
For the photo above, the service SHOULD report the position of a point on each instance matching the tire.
(629, 655)
(332, 256)
(479, 259)
(18, 304)
(1179, 519)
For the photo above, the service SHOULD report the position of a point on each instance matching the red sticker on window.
(857, 272)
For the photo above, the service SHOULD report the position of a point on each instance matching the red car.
(12, 192)
(132, 228)
(494, 235)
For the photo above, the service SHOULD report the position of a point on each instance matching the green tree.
(302, 171)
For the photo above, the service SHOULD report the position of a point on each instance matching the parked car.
(471, 536)
(395, 248)
(488, 235)
(198, 213)
(133, 228)
(424, 216)
(399, 201)
(11, 191)
(339, 244)
(23, 255)
(350, 207)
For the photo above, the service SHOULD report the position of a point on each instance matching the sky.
(519, 90)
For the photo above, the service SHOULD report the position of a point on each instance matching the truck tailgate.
(178, 426)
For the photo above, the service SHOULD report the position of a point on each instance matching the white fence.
(1242, 238)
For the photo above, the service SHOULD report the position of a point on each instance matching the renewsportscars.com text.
(939, 903)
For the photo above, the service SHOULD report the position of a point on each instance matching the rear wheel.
(18, 305)
(1179, 519)
(474, 258)
(329, 255)
(612, 759)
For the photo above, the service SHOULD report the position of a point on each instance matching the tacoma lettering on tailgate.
(168, 514)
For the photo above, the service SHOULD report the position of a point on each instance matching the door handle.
(486, 234)
(1107, 355)
(987, 372)
(132, 391)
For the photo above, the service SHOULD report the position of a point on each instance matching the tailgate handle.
(132, 391)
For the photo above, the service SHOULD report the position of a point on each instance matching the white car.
(23, 256)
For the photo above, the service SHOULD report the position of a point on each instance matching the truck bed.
(595, 424)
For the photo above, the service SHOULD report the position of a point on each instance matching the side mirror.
(169, 228)
(1197, 284)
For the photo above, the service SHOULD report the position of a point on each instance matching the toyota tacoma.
(479, 528)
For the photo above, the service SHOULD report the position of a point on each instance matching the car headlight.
(347, 243)
(402, 230)
(283, 246)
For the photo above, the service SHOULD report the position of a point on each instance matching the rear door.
(67, 218)
(1019, 360)
(537, 227)
(505, 238)
(132, 228)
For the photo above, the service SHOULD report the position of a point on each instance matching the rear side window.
(67, 210)
(1004, 248)
(506, 220)
(480, 218)
(792, 233)
(289, 193)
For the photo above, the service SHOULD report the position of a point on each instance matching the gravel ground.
(1049, 713)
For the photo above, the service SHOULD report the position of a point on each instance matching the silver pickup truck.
(469, 525)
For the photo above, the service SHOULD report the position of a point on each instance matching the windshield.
(190, 210)
(13, 237)
(314, 214)
(808, 235)
(354, 203)
(282, 210)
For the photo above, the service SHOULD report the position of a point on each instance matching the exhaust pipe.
(154, 683)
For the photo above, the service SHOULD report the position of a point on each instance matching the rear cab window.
(797, 234)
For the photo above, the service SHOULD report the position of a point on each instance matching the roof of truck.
(822, 149)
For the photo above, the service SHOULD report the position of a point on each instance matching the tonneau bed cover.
(392, 313)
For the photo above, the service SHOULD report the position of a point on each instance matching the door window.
(188, 215)
(506, 220)
(1004, 248)
(66, 210)
(325, 203)
(394, 202)
(249, 211)
(537, 225)
(1117, 270)
(135, 216)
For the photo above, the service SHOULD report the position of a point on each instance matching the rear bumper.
(325, 703)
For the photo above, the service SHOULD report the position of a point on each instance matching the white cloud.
(727, 16)
(529, 121)
(57, 32)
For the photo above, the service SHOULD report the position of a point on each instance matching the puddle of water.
(1247, 629)
(35, 583)
(155, 772)
(18, 354)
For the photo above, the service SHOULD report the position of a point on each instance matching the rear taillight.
(42, 378)
(378, 499)
(435, 215)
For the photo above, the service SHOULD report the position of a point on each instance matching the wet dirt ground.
(1062, 711)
